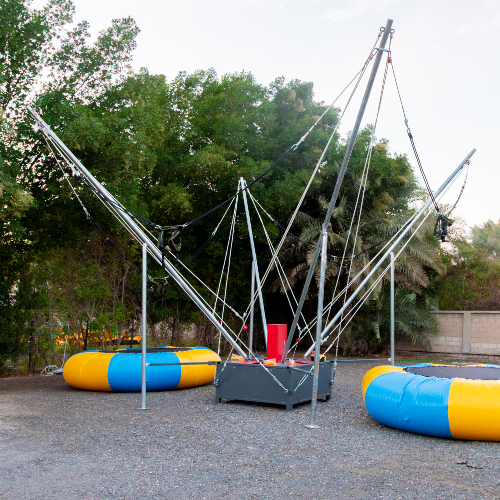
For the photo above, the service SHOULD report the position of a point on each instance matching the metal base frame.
(250, 382)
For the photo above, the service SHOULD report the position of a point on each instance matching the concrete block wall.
(462, 332)
(485, 333)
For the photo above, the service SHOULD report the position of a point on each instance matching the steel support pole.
(340, 178)
(144, 320)
(392, 308)
(391, 249)
(140, 235)
(319, 329)
(252, 294)
(243, 185)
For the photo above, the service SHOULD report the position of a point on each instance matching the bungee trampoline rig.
(278, 378)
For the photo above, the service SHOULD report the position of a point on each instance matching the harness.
(441, 226)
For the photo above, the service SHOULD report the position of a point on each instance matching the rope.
(461, 191)
(318, 165)
(362, 188)
(229, 252)
(106, 239)
(279, 267)
(364, 181)
(412, 140)
(360, 302)
(293, 148)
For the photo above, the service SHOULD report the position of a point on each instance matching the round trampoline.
(461, 402)
(121, 371)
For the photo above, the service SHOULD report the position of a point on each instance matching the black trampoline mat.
(469, 372)
(151, 349)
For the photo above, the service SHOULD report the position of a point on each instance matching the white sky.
(446, 56)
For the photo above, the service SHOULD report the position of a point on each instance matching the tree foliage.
(170, 150)
(472, 279)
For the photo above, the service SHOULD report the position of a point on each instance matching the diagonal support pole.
(336, 190)
(387, 254)
(138, 232)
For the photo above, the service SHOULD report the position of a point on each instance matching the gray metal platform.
(250, 382)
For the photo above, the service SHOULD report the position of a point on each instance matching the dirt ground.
(58, 442)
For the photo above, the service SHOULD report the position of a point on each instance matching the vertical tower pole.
(252, 293)
(144, 319)
(340, 178)
(392, 308)
(319, 330)
(254, 256)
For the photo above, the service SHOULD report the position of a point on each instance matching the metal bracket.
(288, 391)
(383, 50)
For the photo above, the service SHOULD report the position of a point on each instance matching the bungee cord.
(106, 239)
(318, 165)
(408, 131)
(294, 147)
(361, 192)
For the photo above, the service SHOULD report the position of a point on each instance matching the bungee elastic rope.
(412, 141)
(461, 191)
(106, 239)
(295, 146)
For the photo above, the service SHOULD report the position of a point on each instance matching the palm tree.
(387, 206)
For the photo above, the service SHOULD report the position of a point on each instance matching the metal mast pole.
(391, 248)
(319, 328)
(392, 308)
(144, 319)
(252, 294)
(254, 256)
(141, 236)
(335, 194)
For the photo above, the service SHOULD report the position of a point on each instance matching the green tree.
(487, 236)
(45, 62)
(472, 279)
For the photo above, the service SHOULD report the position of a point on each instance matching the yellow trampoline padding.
(89, 371)
(474, 409)
(375, 372)
(194, 375)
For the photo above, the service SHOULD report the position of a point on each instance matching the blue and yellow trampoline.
(448, 401)
(121, 371)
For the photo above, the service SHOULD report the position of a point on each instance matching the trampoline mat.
(469, 372)
(151, 349)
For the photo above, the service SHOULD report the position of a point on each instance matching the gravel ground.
(58, 442)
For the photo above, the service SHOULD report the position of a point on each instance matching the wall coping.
(462, 312)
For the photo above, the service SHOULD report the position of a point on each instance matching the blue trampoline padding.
(125, 372)
(411, 403)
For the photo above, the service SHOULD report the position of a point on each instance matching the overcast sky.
(446, 55)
